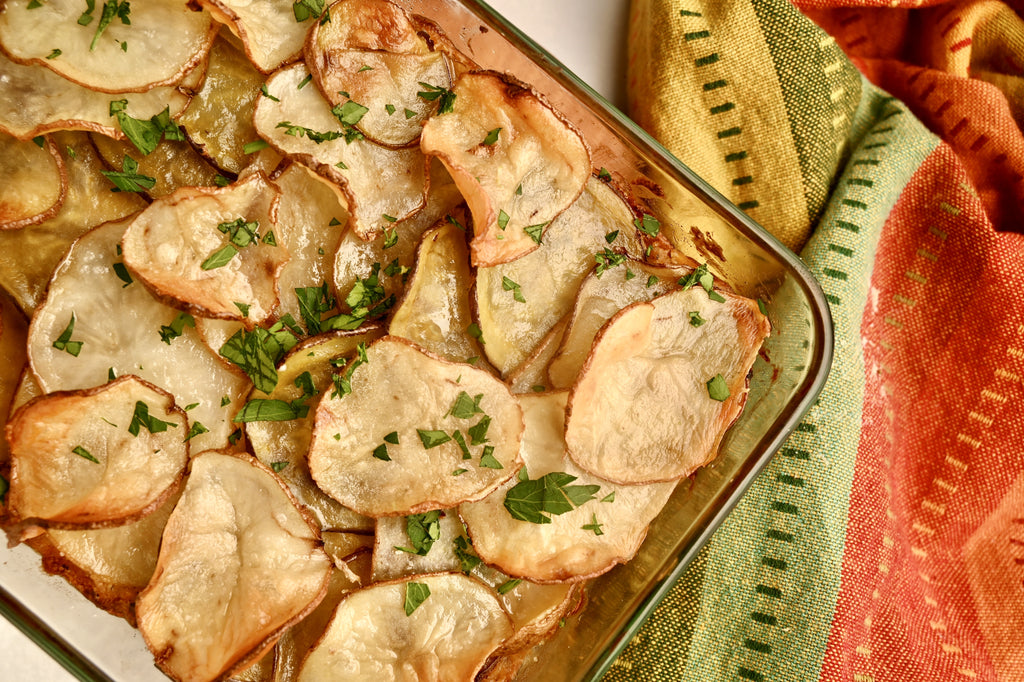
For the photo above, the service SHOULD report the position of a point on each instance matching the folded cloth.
(885, 541)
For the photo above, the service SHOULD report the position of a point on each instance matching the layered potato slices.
(325, 353)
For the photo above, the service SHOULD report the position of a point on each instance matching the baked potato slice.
(147, 44)
(407, 432)
(33, 182)
(88, 286)
(214, 251)
(366, 25)
(98, 457)
(238, 564)
(172, 165)
(383, 186)
(663, 382)
(579, 542)
(391, 631)
(518, 163)
(270, 30)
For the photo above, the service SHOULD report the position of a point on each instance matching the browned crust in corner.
(11, 517)
(62, 170)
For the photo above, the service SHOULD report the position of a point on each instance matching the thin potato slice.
(643, 408)
(401, 393)
(157, 43)
(518, 182)
(532, 375)
(548, 278)
(28, 256)
(382, 185)
(396, 555)
(447, 637)
(366, 25)
(312, 214)
(34, 100)
(387, 85)
(582, 543)
(282, 445)
(172, 164)
(174, 247)
(267, 28)
(87, 286)
(13, 335)
(238, 564)
(85, 459)
(33, 182)
(109, 566)
(601, 295)
(435, 310)
(394, 251)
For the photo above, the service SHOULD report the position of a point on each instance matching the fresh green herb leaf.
(265, 410)
(651, 281)
(695, 319)
(122, 274)
(492, 137)
(459, 472)
(466, 407)
(349, 113)
(431, 439)
(240, 232)
(603, 174)
(468, 559)
(304, 82)
(475, 332)
(110, 374)
(176, 327)
(54, 54)
(519, 190)
(461, 441)
(611, 236)
(128, 179)
(225, 401)
(390, 237)
(606, 260)
(538, 388)
(315, 136)
(517, 291)
(509, 585)
(64, 341)
(488, 460)
(254, 146)
(444, 96)
(535, 231)
(409, 113)
(235, 436)
(195, 430)
(86, 18)
(392, 438)
(191, 406)
(278, 467)
(717, 388)
(503, 219)
(82, 452)
(594, 525)
(395, 268)
(423, 530)
(33, 4)
(142, 418)
(4, 487)
(388, 218)
(381, 452)
(221, 181)
(390, 108)
(415, 594)
(146, 134)
(648, 224)
(478, 432)
(629, 274)
(535, 501)
(762, 306)
(266, 93)
(313, 303)
(219, 258)
(304, 9)
(111, 9)
(269, 239)
(343, 382)
(257, 353)
(610, 497)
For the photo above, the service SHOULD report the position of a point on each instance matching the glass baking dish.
(786, 379)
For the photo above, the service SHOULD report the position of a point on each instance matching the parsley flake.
(611, 236)
(535, 231)
(603, 174)
(695, 319)
(444, 96)
(492, 137)
(128, 179)
(381, 452)
(488, 460)
(606, 260)
(195, 430)
(304, 9)
(171, 331)
(142, 418)
(535, 501)
(468, 559)
(85, 454)
(594, 525)
(717, 388)
(503, 219)
(265, 410)
(278, 467)
(146, 134)
(415, 594)
(122, 274)
(648, 224)
(423, 530)
(432, 438)
(466, 407)
(254, 146)
(64, 341)
(509, 585)
(54, 54)
(517, 291)
(266, 93)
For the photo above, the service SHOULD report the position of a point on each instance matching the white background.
(589, 37)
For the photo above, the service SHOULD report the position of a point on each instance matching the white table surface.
(589, 37)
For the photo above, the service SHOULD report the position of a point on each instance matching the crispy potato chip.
(366, 25)
(213, 251)
(153, 43)
(172, 164)
(386, 448)
(514, 318)
(94, 458)
(659, 389)
(517, 162)
(601, 295)
(235, 539)
(88, 286)
(447, 636)
(218, 120)
(13, 335)
(435, 309)
(269, 29)
(386, 85)
(34, 100)
(109, 566)
(394, 251)
(580, 543)
(28, 256)
(282, 445)
(382, 185)
(312, 216)
(33, 182)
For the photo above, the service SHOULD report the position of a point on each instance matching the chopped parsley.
(112, 9)
(390, 108)
(535, 231)
(475, 332)
(304, 82)
(54, 54)
(142, 418)
(349, 114)
(195, 430)
(503, 219)
(606, 260)
(468, 559)
(85, 454)
(535, 501)
(432, 438)
(304, 9)
(466, 407)
(343, 382)
(611, 236)
(390, 237)
(64, 341)
(695, 319)
(610, 497)
(265, 410)
(128, 179)
(488, 460)
(478, 432)
(146, 134)
(509, 585)
(409, 113)
(266, 93)
(254, 146)
(381, 452)
(703, 277)
(492, 137)
(257, 353)
(604, 174)
(648, 224)
(171, 331)
(517, 291)
(278, 467)
(309, 133)
(594, 525)
(415, 594)
(717, 388)
(444, 97)
(423, 530)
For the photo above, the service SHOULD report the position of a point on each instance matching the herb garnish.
(146, 134)
(195, 430)
(141, 417)
(594, 525)
(468, 560)
(508, 585)
(82, 452)
(535, 501)
(705, 279)
(606, 260)
(445, 97)
(176, 327)
(415, 594)
(648, 224)
(535, 231)
(64, 341)
(304, 9)
(423, 530)
(517, 291)
(128, 179)
(257, 353)
(492, 137)
(717, 388)
(343, 382)
(432, 438)
(695, 319)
